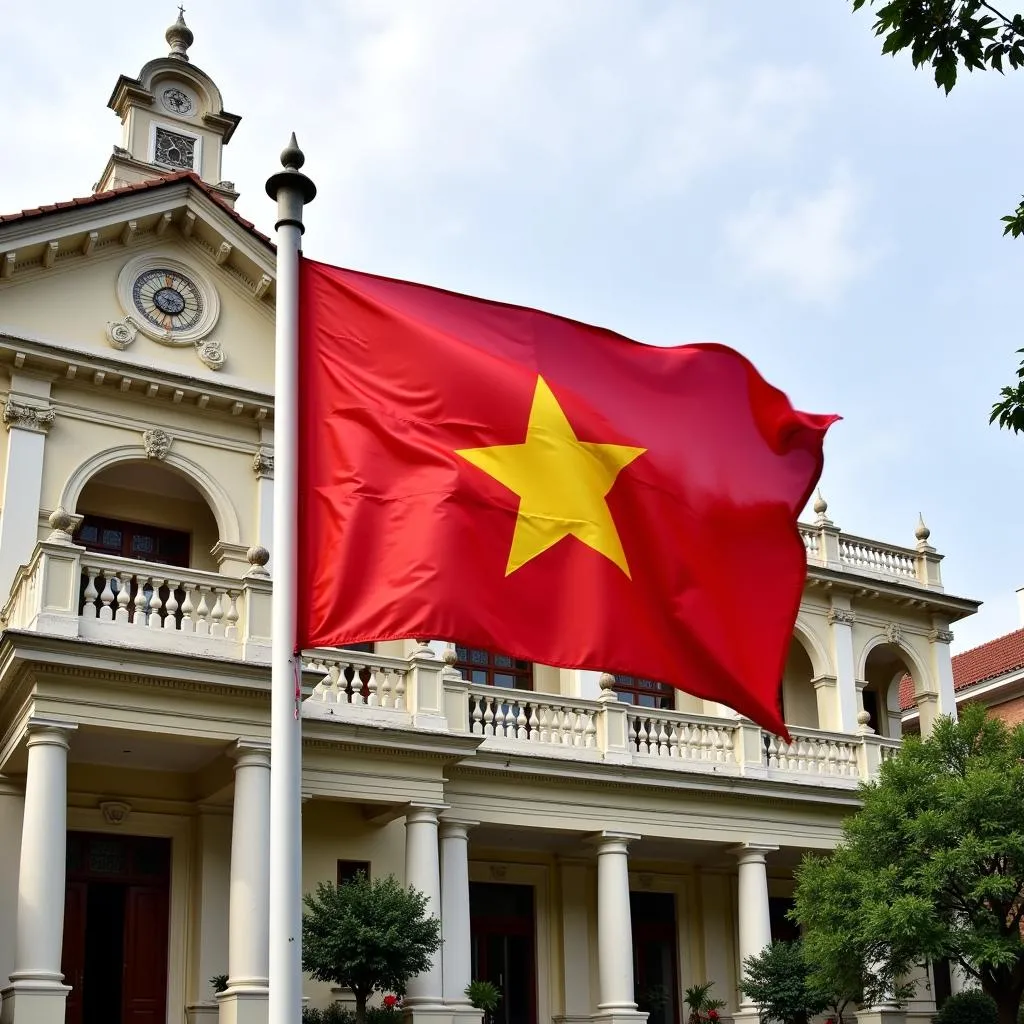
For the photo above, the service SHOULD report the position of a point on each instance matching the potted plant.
(484, 995)
(703, 1009)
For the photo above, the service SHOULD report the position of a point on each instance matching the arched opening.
(147, 512)
(799, 701)
(884, 667)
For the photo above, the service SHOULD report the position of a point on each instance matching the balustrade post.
(425, 689)
(612, 723)
(869, 751)
(750, 749)
(254, 623)
(455, 693)
(928, 559)
(828, 545)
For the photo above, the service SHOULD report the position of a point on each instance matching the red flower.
(712, 1015)
(392, 1001)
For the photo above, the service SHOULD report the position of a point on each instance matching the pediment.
(159, 276)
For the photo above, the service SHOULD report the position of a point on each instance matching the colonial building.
(592, 844)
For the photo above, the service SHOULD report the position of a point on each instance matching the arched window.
(492, 669)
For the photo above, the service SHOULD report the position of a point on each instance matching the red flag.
(512, 480)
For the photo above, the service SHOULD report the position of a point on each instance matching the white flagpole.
(292, 190)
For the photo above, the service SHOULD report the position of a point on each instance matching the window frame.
(628, 686)
(520, 671)
(128, 529)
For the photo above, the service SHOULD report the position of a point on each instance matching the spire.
(179, 37)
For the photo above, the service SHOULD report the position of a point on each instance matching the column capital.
(456, 828)
(426, 814)
(752, 853)
(610, 841)
(40, 731)
(247, 753)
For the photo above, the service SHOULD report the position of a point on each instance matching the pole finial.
(292, 158)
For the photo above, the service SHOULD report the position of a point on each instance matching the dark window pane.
(111, 538)
(501, 679)
(502, 661)
(494, 668)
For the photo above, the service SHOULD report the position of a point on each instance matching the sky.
(752, 173)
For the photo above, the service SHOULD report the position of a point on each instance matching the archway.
(884, 667)
(147, 511)
(799, 701)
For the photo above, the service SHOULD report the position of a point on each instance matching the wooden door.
(144, 986)
(73, 948)
(502, 930)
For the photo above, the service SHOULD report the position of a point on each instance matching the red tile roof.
(143, 186)
(996, 658)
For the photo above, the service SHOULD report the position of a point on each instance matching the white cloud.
(811, 245)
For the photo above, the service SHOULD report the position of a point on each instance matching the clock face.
(167, 299)
(177, 101)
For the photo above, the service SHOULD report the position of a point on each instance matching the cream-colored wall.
(333, 831)
(71, 305)
(209, 903)
(798, 697)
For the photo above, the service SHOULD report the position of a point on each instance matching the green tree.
(947, 35)
(367, 936)
(931, 866)
(779, 980)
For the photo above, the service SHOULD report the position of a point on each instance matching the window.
(134, 540)
(364, 647)
(479, 666)
(645, 693)
(348, 869)
(783, 929)
(174, 149)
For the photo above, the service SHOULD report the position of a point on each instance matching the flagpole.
(292, 190)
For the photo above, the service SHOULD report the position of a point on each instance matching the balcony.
(67, 591)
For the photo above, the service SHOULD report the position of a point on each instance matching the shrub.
(972, 1007)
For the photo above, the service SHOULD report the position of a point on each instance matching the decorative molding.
(940, 636)
(843, 615)
(498, 872)
(157, 443)
(263, 463)
(121, 333)
(211, 353)
(115, 812)
(28, 417)
(894, 633)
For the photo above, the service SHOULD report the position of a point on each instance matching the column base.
(746, 1015)
(465, 1013)
(243, 1005)
(616, 1015)
(881, 1015)
(201, 1013)
(30, 1001)
(432, 1013)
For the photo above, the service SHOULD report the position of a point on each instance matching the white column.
(614, 928)
(755, 929)
(249, 911)
(422, 871)
(841, 619)
(27, 420)
(36, 994)
(457, 959)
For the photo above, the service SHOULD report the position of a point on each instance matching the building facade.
(592, 844)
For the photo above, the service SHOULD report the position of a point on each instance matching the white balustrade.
(886, 560)
(814, 752)
(144, 595)
(357, 678)
(671, 734)
(812, 542)
(539, 718)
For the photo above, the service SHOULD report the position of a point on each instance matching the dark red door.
(73, 949)
(502, 932)
(144, 988)
(655, 971)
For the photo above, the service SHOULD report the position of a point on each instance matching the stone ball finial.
(922, 533)
(179, 37)
(820, 504)
(292, 158)
(60, 522)
(607, 682)
(450, 657)
(258, 556)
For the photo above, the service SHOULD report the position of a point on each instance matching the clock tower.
(173, 119)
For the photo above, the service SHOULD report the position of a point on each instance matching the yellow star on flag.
(561, 482)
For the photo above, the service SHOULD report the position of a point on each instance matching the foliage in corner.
(947, 35)
(930, 867)
(367, 936)
(702, 1006)
(779, 980)
(484, 995)
(219, 982)
(971, 1007)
